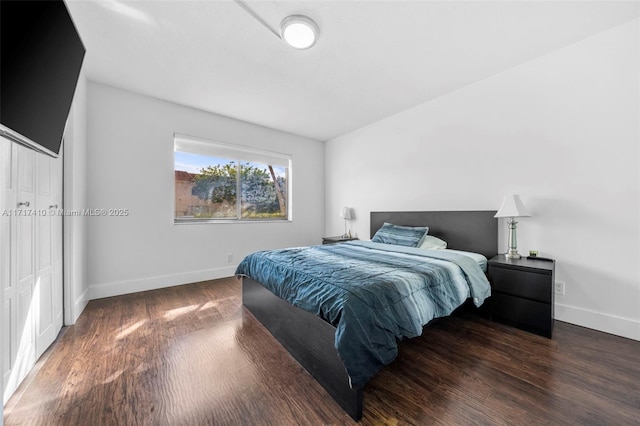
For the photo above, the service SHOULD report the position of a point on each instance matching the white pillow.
(429, 242)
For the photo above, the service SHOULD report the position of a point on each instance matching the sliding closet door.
(30, 259)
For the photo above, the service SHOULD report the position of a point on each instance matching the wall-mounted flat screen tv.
(40, 59)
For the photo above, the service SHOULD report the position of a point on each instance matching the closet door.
(48, 256)
(30, 259)
(7, 245)
(22, 276)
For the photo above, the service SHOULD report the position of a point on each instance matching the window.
(215, 182)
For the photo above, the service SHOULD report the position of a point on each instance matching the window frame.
(240, 154)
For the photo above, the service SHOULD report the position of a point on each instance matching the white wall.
(130, 166)
(76, 285)
(562, 131)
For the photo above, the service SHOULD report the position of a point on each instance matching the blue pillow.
(409, 236)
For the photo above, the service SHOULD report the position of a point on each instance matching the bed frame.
(310, 340)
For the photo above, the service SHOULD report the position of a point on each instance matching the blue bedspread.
(374, 294)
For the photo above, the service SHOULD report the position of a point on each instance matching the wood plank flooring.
(191, 355)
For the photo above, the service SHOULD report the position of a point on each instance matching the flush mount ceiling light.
(299, 31)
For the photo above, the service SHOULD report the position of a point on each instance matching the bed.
(320, 341)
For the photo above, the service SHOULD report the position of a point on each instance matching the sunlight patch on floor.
(113, 377)
(172, 314)
(130, 329)
(210, 304)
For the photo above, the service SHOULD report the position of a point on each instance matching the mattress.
(477, 257)
(374, 294)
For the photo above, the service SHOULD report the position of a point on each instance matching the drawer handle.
(26, 204)
(53, 206)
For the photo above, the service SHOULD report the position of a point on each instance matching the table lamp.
(512, 207)
(345, 213)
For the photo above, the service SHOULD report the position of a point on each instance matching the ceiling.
(373, 58)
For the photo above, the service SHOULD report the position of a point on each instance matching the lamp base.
(514, 255)
(513, 245)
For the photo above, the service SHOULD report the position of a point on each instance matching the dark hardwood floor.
(191, 355)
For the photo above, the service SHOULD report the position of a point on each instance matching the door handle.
(54, 206)
(26, 204)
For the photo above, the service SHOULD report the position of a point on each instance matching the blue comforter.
(374, 294)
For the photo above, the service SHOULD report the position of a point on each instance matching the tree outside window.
(213, 188)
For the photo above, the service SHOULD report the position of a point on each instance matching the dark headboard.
(475, 231)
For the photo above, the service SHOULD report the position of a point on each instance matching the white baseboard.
(78, 305)
(99, 291)
(612, 324)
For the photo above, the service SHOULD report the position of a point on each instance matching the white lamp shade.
(512, 207)
(345, 213)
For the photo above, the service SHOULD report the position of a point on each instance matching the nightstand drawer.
(526, 314)
(531, 285)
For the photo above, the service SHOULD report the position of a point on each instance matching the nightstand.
(333, 240)
(522, 293)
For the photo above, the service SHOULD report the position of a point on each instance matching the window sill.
(225, 221)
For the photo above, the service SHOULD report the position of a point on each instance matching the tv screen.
(40, 59)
